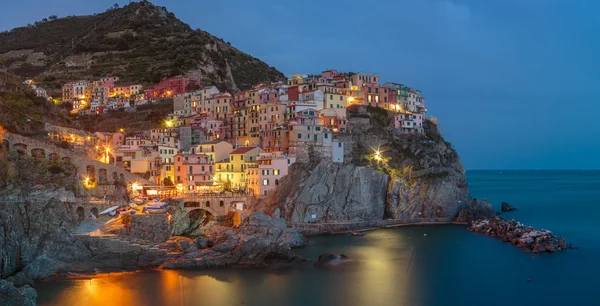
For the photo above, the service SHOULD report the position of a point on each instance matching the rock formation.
(327, 259)
(35, 236)
(476, 209)
(526, 237)
(507, 207)
(258, 242)
(11, 296)
(334, 192)
(416, 178)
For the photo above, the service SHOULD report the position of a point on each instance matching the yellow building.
(232, 171)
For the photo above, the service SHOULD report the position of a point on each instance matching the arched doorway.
(221, 203)
(94, 212)
(91, 173)
(207, 204)
(53, 157)
(20, 148)
(102, 179)
(38, 153)
(80, 213)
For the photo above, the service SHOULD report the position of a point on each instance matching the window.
(275, 172)
(330, 97)
(241, 157)
(339, 144)
(179, 179)
(191, 178)
(288, 161)
(265, 182)
(299, 135)
(325, 135)
(276, 182)
(315, 137)
(330, 105)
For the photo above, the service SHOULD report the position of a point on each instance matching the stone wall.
(82, 162)
(155, 228)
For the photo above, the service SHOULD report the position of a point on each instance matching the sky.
(512, 82)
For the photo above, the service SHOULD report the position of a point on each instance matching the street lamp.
(377, 155)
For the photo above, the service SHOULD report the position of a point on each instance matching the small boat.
(357, 234)
(110, 211)
(159, 207)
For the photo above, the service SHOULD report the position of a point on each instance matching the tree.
(53, 17)
(116, 6)
(167, 182)
(44, 19)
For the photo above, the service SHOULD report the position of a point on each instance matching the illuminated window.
(265, 182)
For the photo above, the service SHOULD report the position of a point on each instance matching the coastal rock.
(258, 242)
(333, 192)
(19, 280)
(507, 207)
(11, 296)
(476, 209)
(36, 230)
(330, 259)
(525, 237)
(180, 220)
(417, 178)
(201, 242)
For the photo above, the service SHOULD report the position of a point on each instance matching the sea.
(418, 265)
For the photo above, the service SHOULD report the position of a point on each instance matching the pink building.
(108, 81)
(193, 172)
(410, 123)
(264, 177)
(173, 86)
(329, 73)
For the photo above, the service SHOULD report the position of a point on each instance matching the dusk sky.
(511, 81)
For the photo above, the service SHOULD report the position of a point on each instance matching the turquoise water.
(449, 266)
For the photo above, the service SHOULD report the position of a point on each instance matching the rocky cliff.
(387, 175)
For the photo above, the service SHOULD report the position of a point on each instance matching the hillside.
(138, 43)
(23, 113)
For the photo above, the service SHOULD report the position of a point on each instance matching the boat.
(111, 211)
(158, 207)
(357, 234)
(139, 200)
(133, 205)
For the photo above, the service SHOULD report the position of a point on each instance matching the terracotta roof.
(242, 150)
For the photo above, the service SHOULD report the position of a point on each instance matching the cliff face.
(35, 237)
(417, 178)
(333, 192)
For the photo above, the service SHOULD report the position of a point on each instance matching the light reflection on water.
(450, 266)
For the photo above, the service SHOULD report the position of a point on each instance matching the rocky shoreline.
(520, 235)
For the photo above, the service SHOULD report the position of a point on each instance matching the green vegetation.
(379, 117)
(138, 43)
(23, 112)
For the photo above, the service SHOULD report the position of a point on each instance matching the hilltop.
(139, 42)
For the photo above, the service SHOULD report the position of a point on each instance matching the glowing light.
(169, 123)
(377, 155)
(350, 99)
(122, 130)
